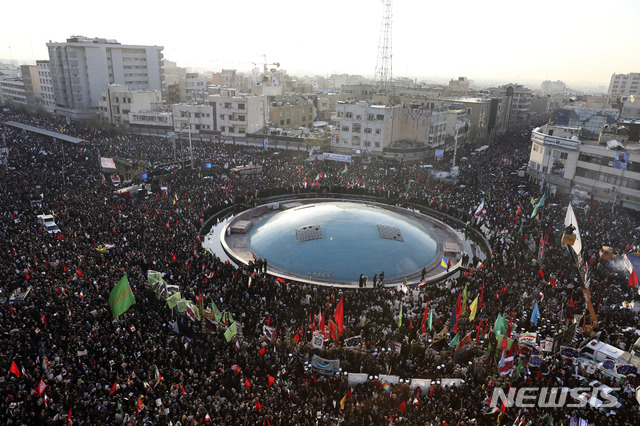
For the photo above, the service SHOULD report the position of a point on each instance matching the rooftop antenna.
(383, 78)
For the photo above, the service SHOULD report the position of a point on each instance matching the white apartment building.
(81, 67)
(12, 91)
(239, 113)
(196, 87)
(48, 100)
(603, 172)
(364, 126)
(624, 85)
(117, 101)
(194, 119)
(373, 127)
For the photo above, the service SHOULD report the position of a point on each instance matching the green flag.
(231, 331)
(121, 297)
(500, 326)
(400, 316)
(430, 319)
(489, 349)
(182, 305)
(345, 169)
(231, 317)
(154, 276)
(540, 204)
(519, 368)
(464, 300)
(216, 312)
(173, 299)
(455, 341)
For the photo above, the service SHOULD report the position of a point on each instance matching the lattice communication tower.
(383, 79)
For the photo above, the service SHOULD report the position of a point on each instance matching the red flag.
(41, 386)
(296, 338)
(430, 391)
(633, 278)
(339, 315)
(481, 294)
(269, 321)
(321, 327)
(459, 306)
(14, 369)
(182, 389)
(43, 319)
(270, 380)
(424, 317)
(280, 280)
(403, 406)
(247, 383)
(258, 406)
(80, 274)
(410, 324)
(113, 388)
(541, 273)
(552, 282)
(571, 302)
(69, 417)
(140, 404)
(262, 351)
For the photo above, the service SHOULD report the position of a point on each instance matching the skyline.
(431, 42)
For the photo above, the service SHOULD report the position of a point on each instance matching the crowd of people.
(74, 364)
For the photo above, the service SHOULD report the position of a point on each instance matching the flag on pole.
(455, 342)
(443, 262)
(342, 401)
(14, 369)
(339, 316)
(480, 208)
(158, 375)
(114, 387)
(400, 316)
(539, 205)
(633, 278)
(431, 319)
(535, 314)
(41, 386)
(121, 297)
(474, 308)
(270, 380)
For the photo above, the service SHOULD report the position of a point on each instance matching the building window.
(355, 141)
(377, 131)
(227, 105)
(367, 143)
(282, 122)
(367, 129)
(288, 121)
(379, 117)
(377, 144)
(355, 128)
(349, 115)
(345, 128)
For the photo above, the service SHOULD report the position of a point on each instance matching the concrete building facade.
(47, 99)
(117, 101)
(81, 67)
(624, 85)
(237, 114)
(12, 91)
(291, 112)
(607, 172)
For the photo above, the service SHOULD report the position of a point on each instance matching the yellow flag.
(474, 308)
(342, 401)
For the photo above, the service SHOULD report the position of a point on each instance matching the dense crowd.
(100, 371)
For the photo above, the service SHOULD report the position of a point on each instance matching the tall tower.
(383, 79)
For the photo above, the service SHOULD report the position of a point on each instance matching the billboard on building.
(621, 160)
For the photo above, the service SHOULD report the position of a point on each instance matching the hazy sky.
(579, 42)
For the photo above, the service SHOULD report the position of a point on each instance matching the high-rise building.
(81, 67)
(624, 84)
(31, 84)
(47, 100)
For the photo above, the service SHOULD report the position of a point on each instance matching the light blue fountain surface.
(343, 239)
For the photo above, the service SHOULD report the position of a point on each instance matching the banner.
(357, 378)
(173, 299)
(353, 342)
(621, 160)
(528, 339)
(270, 332)
(325, 366)
(121, 297)
(230, 332)
(182, 305)
(318, 340)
